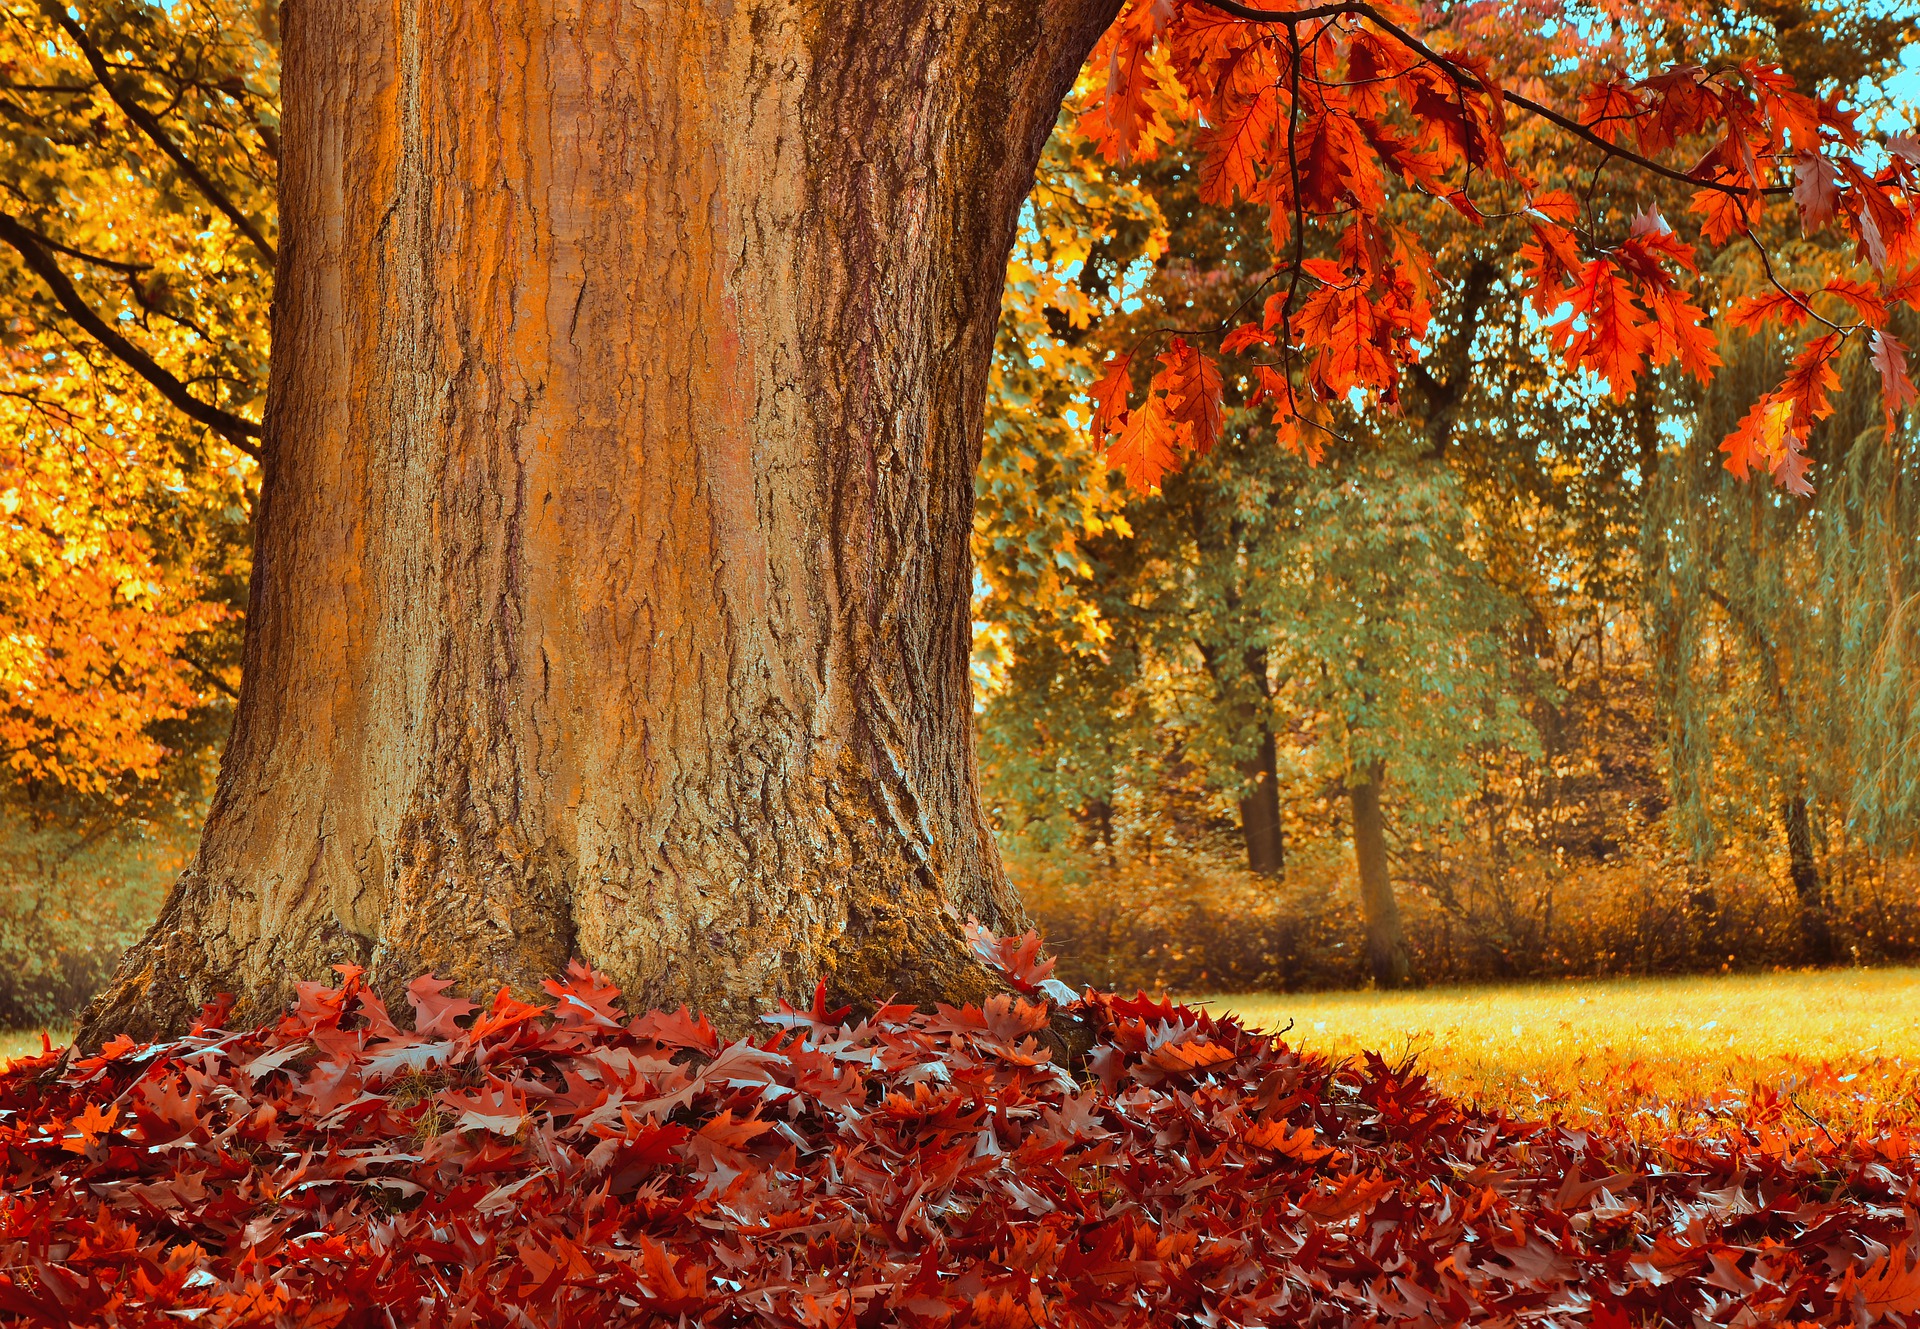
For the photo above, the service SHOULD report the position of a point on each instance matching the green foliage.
(1785, 633)
(71, 899)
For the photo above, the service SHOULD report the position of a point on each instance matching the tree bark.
(611, 593)
(1816, 929)
(1387, 957)
(1260, 823)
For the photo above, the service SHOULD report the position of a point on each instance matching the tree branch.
(48, 242)
(1467, 78)
(1444, 395)
(231, 427)
(210, 678)
(155, 131)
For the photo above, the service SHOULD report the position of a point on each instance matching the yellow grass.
(23, 1043)
(1845, 1045)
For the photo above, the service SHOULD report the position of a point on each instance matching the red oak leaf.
(434, 1013)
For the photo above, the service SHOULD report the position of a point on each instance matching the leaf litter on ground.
(567, 1164)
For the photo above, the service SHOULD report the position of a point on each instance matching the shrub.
(71, 900)
(1186, 923)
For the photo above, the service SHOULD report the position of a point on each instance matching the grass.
(1844, 1045)
(23, 1043)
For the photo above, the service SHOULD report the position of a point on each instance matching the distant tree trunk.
(1816, 929)
(1100, 813)
(1260, 823)
(1387, 956)
(611, 593)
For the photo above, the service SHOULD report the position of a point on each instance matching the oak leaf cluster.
(1321, 115)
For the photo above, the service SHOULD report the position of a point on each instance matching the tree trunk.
(1387, 956)
(1260, 811)
(1816, 930)
(611, 593)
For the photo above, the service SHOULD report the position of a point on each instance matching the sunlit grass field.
(25, 1043)
(1843, 1045)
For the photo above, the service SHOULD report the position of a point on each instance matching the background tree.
(126, 292)
(136, 211)
(1554, 470)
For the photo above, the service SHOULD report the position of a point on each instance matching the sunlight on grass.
(23, 1043)
(1844, 1045)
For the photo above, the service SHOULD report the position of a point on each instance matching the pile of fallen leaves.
(570, 1165)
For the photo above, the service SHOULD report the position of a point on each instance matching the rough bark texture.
(1260, 824)
(1816, 930)
(612, 585)
(1387, 955)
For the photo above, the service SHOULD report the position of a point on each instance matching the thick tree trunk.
(611, 588)
(1816, 930)
(1387, 955)
(1260, 811)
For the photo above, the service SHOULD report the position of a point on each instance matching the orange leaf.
(1302, 1144)
(1896, 388)
(1110, 396)
(1247, 334)
(1191, 381)
(1344, 324)
(1868, 302)
(1237, 152)
(1815, 190)
(93, 1125)
(1759, 437)
(1721, 214)
(1889, 1286)
(1614, 338)
(1811, 379)
(1144, 450)
(1189, 1055)
(1681, 329)
(1789, 306)
(1551, 260)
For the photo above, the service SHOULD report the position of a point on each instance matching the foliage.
(1086, 235)
(71, 899)
(564, 1162)
(137, 167)
(1326, 118)
(1789, 648)
(1253, 595)
(1182, 924)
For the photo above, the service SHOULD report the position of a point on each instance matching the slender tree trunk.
(1260, 811)
(1387, 955)
(611, 593)
(1816, 929)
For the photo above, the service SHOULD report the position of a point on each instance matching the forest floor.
(1844, 1045)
